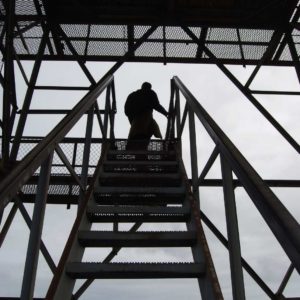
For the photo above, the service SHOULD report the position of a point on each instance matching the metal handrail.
(283, 225)
(24, 170)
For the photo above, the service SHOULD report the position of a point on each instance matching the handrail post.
(237, 279)
(36, 230)
(113, 111)
(178, 116)
(86, 154)
(193, 151)
(171, 111)
(106, 111)
(170, 123)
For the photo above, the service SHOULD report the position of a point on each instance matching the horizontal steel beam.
(187, 60)
(66, 140)
(54, 111)
(280, 183)
(62, 88)
(287, 93)
(18, 298)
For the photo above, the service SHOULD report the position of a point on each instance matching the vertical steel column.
(86, 153)
(28, 97)
(109, 110)
(193, 151)
(9, 79)
(237, 279)
(28, 221)
(75, 145)
(36, 230)
(178, 117)
(113, 111)
(170, 133)
(106, 112)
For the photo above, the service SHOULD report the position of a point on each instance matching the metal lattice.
(167, 43)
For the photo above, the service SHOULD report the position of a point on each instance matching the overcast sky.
(266, 150)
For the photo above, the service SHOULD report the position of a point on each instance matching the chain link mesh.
(74, 154)
(25, 7)
(111, 41)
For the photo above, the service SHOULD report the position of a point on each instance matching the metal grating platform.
(234, 33)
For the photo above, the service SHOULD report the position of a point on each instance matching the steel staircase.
(138, 186)
(134, 185)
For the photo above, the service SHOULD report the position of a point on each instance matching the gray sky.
(265, 149)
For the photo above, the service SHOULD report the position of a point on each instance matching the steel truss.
(21, 183)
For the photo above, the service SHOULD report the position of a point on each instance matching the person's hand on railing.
(171, 114)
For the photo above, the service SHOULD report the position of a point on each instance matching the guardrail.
(11, 184)
(283, 225)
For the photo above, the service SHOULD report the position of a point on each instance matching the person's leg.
(138, 142)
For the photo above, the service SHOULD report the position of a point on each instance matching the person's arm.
(161, 109)
(158, 107)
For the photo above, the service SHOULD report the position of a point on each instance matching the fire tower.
(141, 198)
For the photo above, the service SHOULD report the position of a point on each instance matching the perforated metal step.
(137, 239)
(140, 179)
(137, 213)
(141, 155)
(135, 270)
(141, 166)
(139, 195)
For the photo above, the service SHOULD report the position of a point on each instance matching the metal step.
(141, 190)
(134, 270)
(139, 179)
(137, 213)
(124, 155)
(141, 166)
(139, 195)
(137, 239)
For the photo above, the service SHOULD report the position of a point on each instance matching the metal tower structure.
(117, 185)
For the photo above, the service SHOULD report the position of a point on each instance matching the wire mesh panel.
(61, 181)
(108, 41)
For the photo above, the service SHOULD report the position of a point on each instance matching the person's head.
(146, 86)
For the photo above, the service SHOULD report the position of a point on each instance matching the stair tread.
(131, 155)
(143, 166)
(134, 270)
(142, 162)
(136, 210)
(139, 195)
(140, 190)
(139, 175)
(148, 152)
(159, 218)
(137, 239)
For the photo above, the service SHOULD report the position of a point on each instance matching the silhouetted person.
(139, 108)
